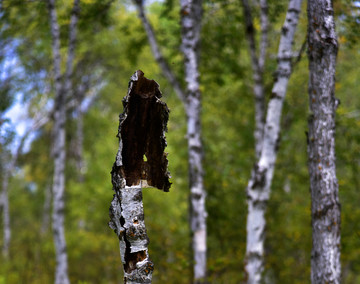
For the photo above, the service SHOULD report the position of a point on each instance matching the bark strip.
(325, 205)
(259, 186)
(140, 162)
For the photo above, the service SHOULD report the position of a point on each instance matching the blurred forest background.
(111, 45)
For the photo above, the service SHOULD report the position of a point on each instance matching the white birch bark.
(191, 14)
(325, 205)
(141, 133)
(257, 63)
(259, 186)
(62, 89)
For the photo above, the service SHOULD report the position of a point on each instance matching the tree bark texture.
(259, 186)
(191, 14)
(325, 206)
(62, 90)
(140, 162)
(258, 63)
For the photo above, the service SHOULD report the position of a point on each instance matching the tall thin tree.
(63, 86)
(325, 206)
(191, 15)
(259, 186)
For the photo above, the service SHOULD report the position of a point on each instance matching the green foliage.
(112, 45)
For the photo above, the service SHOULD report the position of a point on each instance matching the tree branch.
(71, 50)
(264, 23)
(55, 35)
(165, 68)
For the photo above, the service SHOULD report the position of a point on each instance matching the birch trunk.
(259, 186)
(191, 14)
(325, 206)
(6, 214)
(140, 162)
(62, 89)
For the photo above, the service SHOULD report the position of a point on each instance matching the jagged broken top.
(142, 128)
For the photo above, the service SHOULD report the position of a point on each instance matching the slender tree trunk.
(140, 162)
(62, 89)
(6, 214)
(6, 169)
(79, 138)
(258, 63)
(46, 211)
(325, 206)
(259, 186)
(191, 14)
(59, 153)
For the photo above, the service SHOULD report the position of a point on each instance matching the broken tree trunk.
(140, 162)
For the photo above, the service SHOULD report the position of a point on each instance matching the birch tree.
(140, 163)
(191, 15)
(259, 186)
(325, 206)
(63, 85)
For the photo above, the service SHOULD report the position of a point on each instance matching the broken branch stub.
(140, 162)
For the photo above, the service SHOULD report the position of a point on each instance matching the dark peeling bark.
(325, 206)
(140, 162)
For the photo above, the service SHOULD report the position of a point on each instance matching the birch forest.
(179, 141)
